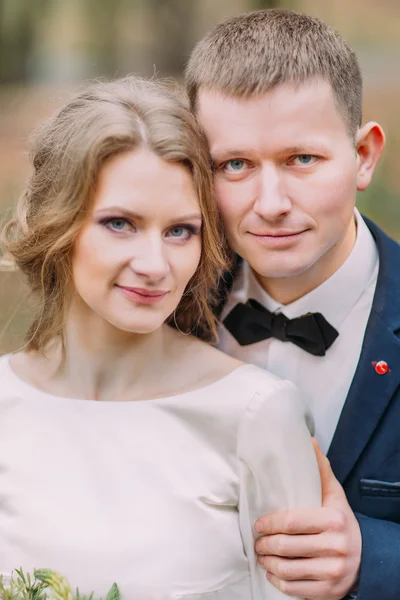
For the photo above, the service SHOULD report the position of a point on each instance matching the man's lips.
(143, 295)
(279, 238)
(278, 234)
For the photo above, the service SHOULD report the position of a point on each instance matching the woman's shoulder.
(4, 364)
(262, 380)
(212, 365)
(260, 383)
(9, 382)
(253, 389)
(272, 402)
(237, 377)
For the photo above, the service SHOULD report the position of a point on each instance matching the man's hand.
(313, 553)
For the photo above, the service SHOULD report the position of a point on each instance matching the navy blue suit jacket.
(365, 450)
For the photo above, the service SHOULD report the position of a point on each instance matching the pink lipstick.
(142, 295)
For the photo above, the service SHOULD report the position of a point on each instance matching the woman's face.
(141, 243)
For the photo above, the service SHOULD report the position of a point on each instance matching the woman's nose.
(150, 261)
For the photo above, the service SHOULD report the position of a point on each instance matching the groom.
(314, 297)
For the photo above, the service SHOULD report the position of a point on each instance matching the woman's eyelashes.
(179, 232)
(182, 232)
(117, 224)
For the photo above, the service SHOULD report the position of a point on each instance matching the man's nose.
(272, 200)
(151, 260)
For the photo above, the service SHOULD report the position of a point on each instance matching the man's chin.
(285, 271)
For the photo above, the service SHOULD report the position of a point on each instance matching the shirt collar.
(337, 295)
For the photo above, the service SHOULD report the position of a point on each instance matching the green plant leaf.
(113, 594)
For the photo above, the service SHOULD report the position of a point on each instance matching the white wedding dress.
(158, 495)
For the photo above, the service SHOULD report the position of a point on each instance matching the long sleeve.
(278, 468)
(380, 560)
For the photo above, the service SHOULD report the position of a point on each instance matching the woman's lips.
(141, 295)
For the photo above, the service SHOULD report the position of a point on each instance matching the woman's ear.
(370, 142)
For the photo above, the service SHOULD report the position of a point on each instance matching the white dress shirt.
(345, 300)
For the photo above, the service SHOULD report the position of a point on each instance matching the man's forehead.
(316, 87)
(293, 115)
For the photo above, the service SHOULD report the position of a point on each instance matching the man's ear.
(370, 142)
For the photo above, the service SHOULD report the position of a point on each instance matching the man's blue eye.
(305, 159)
(235, 164)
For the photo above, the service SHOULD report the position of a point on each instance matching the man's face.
(286, 179)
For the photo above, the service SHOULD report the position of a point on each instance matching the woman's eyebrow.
(133, 215)
(119, 209)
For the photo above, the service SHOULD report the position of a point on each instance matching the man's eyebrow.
(306, 148)
(120, 210)
(221, 154)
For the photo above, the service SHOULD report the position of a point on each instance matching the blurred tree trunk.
(173, 35)
(102, 20)
(266, 4)
(274, 4)
(17, 36)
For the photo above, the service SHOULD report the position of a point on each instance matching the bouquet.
(44, 585)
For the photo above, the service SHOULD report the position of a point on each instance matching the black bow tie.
(250, 323)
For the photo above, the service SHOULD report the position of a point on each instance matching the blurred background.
(48, 47)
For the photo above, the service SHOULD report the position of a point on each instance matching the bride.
(130, 449)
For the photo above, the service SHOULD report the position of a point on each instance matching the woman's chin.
(139, 327)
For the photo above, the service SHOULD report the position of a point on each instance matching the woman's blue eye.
(182, 232)
(235, 165)
(116, 224)
(179, 232)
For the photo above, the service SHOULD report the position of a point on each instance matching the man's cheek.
(222, 195)
(230, 202)
(227, 208)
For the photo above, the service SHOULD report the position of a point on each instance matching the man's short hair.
(252, 53)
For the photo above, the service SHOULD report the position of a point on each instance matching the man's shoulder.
(385, 305)
(388, 248)
(388, 284)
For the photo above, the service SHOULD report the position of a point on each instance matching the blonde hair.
(68, 150)
(252, 53)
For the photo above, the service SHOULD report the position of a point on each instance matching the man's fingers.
(302, 569)
(324, 465)
(293, 546)
(329, 484)
(292, 522)
(300, 589)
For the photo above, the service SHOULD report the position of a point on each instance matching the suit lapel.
(371, 393)
(368, 397)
